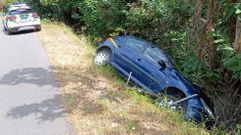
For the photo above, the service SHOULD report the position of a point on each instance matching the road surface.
(30, 102)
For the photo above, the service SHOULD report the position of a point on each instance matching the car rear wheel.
(9, 32)
(5, 29)
(39, 28)
(103, 57)
(168, 101)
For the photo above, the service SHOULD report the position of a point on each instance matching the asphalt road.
(29, 99)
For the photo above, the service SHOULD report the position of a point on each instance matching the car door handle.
(138, 59)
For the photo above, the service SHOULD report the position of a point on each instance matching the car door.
(128, 51)
(151, 74)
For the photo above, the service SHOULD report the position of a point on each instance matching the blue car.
(150, 67)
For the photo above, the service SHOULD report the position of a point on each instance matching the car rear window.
(17, 12)
(136, 44)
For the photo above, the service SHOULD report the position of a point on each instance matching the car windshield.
(155, 55)
(17, 12)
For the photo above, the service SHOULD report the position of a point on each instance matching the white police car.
(20, 17)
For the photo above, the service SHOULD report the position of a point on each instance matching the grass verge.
(96, 99)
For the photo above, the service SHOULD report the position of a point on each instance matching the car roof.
(137, 38)
(148, 44)
(134, 37)
(18, 6)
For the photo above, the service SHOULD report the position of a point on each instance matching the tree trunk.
(212, 7)
(232, 24)
(237, 42)
(206, 50)
(199, 28)
(1, 6)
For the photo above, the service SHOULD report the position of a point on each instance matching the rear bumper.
(25, 28)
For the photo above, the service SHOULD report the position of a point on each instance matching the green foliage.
(194, 69)
(163, 23)
(102, 17)
(226, 57)
(176, 44)
(238, 130)
(7, 2)
(180, 13)
(149, 19)
(146, 15)
(233, 63)
(58, 10)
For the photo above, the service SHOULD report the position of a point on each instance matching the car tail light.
(12, 18)
(35, 15)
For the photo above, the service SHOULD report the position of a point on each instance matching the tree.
(237, 42)
(203, 25)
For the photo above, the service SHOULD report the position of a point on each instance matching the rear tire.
(103, 57)
(4, 27)
(39, 29)
(9, 32)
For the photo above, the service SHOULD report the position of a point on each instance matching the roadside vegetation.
(202, 37)
(96, 97)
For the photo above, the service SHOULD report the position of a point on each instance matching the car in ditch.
(151, 68)
(20, 17)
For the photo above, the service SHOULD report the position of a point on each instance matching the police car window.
(13, 12)
(136, 44)
(16, 12)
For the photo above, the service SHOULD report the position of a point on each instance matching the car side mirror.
(162, 64)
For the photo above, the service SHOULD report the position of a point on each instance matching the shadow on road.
(47, 110)
(36, 76)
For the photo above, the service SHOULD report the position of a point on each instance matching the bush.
(103, 17)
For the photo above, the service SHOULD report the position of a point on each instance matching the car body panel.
(150, 76)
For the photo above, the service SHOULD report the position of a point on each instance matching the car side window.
(14, 12)
(151, 55)
(136, 44)
(154, 54)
